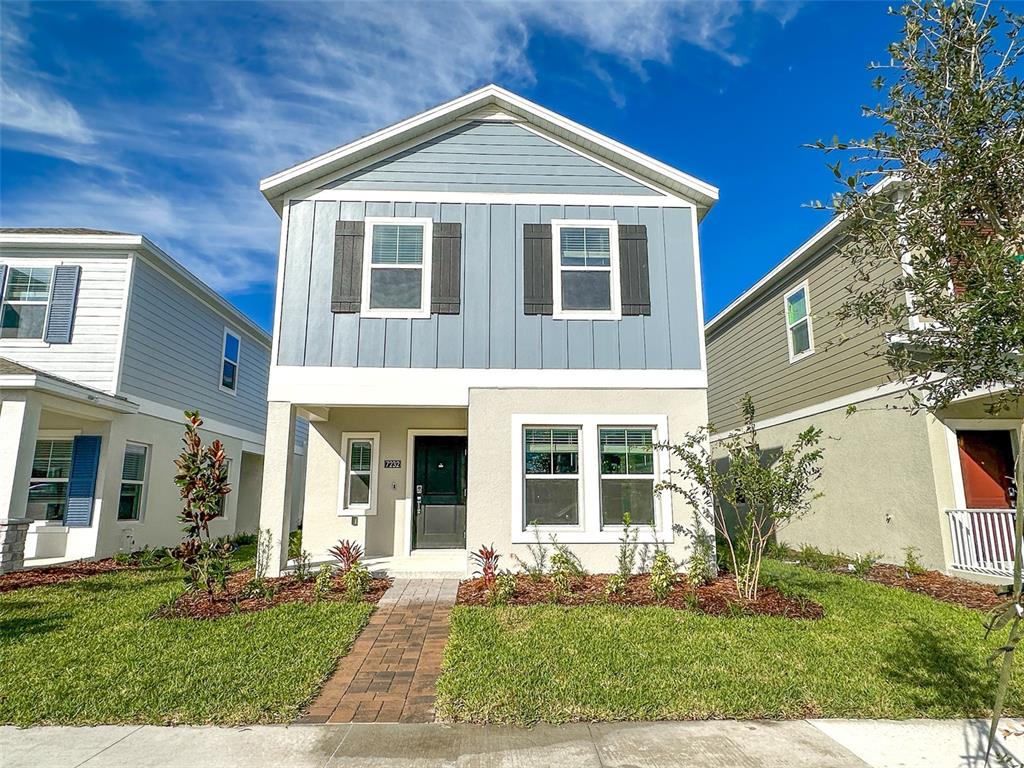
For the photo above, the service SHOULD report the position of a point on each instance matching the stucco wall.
(880, 470)
(491, 485)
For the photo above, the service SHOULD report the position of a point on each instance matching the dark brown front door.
(440, 499)
(986, 461)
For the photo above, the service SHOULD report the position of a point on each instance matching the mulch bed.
(718, 598)
(948, 589)
(55, 574)
(286, 589)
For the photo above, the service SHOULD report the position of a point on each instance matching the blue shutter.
(62, 304)
(85, 460)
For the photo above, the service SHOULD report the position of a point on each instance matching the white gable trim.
(278, 185)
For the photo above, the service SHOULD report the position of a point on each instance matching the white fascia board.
(449, 387)
(67, 390)
(276, 186)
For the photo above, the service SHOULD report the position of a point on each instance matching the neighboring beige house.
(104, 341)
(941, 483)
(490, 314)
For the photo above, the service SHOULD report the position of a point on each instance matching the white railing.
(982, 540)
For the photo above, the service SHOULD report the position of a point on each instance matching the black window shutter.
(446, 269)
(538, 297)
(61, 314)
(634, 275)
(347, 285)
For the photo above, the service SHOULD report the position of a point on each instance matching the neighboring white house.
(490, 314)
(104, 341)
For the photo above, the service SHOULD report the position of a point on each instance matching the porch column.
(278, 470)
(19, 426)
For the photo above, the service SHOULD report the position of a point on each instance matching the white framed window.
(576, 474)
(551, 476)
(134, 469)
(48, 486)
(24, 304)
(799, 331)
(231, 353)
(627, 475)
(397, 254)
(357, 485)
(585, 281)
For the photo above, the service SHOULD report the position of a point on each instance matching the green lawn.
(87, 652)
(879, 652)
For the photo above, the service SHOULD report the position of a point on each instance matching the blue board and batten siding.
(491, 331)
(491, 157)
(173, 353)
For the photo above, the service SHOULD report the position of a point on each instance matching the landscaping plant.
(934, 205)
(322, 584)
(357, 581)
(202, 480)
(566, 570)
(862, 564)
(701, 567)
(503, 590)
(663, 575)
(303, 566)
(538, 564)
(911, 562)
(486, 560)
(347, 553)
(748, 494)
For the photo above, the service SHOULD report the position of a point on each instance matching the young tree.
(747, 492)
(934, 200)
(202, 481)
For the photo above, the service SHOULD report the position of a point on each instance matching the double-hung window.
(48, 486)
(396, 268)
(585, 283)
(133, 481)
(229, 362)
(26, 296)
(552, 476)
(358, 484)
(799, 334)
(627, 475)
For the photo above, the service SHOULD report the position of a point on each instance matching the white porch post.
(19, 426)
(278, 470)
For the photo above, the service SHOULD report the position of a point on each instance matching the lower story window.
(48, 487)
(627, 475)
(133, 482)
(552, 476)
(360, 463)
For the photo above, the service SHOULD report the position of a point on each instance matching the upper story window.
(26, 296)
(800, 334)
(396, 268)
(229, 362)
(586, 270)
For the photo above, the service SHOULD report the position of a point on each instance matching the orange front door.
(986, 461)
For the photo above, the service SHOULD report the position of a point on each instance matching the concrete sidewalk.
(710, 744)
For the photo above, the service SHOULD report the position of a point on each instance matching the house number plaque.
(392, 463)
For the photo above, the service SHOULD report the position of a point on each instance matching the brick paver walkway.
(391, 672)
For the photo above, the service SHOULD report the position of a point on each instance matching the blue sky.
(162, 118)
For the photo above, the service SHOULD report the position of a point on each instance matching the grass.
(88, 652)
(878, 653)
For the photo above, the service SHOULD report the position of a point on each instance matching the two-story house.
(939, 483)
(490, 314)
(104, 341)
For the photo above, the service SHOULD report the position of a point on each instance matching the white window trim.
(52, 266)
(144, 483)
(423, 311)
(53, 436)
(628, 475)
(789, 327)
(590, 530)
(581, 468)
(224, 359)
(953, 426)
(615, 312)
(358, 510)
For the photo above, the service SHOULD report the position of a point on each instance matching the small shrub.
(663, 575)
(566, 570)
(147, 557)
(538, 564)
(701, 568)
(322, 584)
(486, 560)
(861, 564)
(912, 562)
(348, 554)
(264, 553)
(303, 566)
(245, 538)
(627, 548)
(294, 545)
(503, 589)
(357, 581)
(616, 585)
(258, 588)
(817, 560)
(122, 558)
